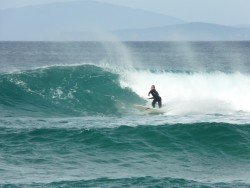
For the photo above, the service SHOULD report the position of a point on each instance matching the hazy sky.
(228, 12)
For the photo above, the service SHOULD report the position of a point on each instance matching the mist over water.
(67, 115)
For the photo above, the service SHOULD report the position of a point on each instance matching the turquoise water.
(67, 117)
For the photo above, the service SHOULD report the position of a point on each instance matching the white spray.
(197, 93)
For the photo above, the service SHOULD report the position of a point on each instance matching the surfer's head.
(153, 87)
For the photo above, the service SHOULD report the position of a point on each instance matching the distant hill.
(49, 21)
(90, 20)
(187, 32)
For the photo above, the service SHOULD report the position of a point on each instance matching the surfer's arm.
(151, 98)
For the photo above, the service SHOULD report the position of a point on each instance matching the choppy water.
(67, 117)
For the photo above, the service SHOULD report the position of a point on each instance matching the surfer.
(155, 96)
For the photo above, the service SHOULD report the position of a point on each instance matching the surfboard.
(149, 110)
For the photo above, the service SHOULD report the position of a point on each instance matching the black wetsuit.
(156, 97)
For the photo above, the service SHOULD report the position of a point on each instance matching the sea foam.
(200, 93)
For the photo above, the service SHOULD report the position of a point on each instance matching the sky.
(226, 12)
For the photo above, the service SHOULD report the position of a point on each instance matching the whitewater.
(67, 116)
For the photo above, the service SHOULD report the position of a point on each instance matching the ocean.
(67, 116)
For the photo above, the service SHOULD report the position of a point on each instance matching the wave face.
(72, 90)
